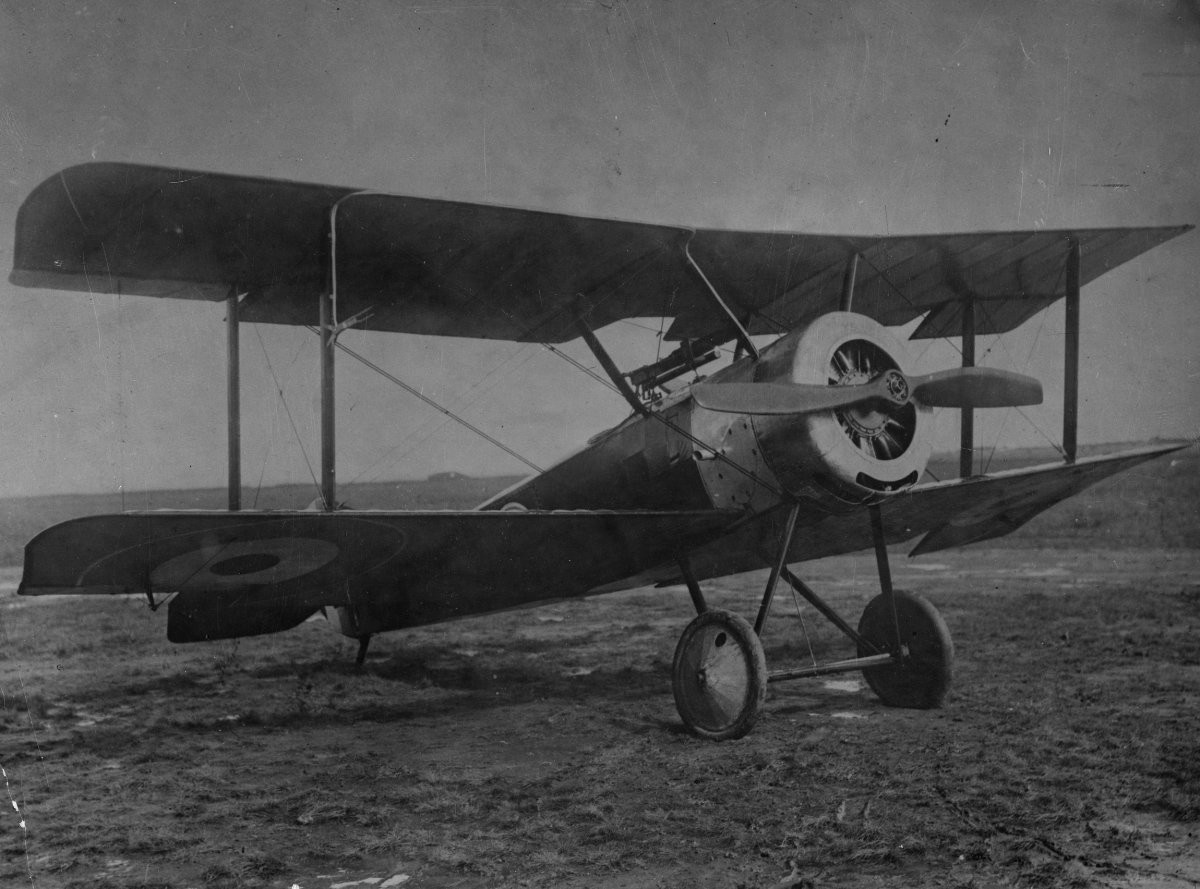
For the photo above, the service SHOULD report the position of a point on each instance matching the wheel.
(922, 678)
(719, 676)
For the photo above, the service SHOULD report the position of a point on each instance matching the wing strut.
(966, 449)
(234, 399)
(1071, 355)
(611, 368)
(743, 336)
(846, 302)
(328, 430)
(330, 328)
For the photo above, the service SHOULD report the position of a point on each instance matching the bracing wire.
(429, 401)
(288, 412)
(579, 365)
(674, 427)
(803, 626)
(983, 307)
(1036, 428)
(594, 375)
(262, 473)
(420, 435)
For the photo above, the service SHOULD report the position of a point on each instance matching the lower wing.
(245, 573)
(945, 514)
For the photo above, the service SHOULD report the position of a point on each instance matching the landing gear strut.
(719, 674)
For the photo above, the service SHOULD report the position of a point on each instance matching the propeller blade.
(975, 387)
(961, 387)
(783, 398)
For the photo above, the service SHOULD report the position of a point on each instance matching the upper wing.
(447, 268)
(244, 573)
(951, 513)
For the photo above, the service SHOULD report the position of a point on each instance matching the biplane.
(812, 444)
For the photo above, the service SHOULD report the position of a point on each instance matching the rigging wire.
(1000, 340)
(1032, 346)
(286, 410)
(1011, 357)
(716, 453)
(579, 365)
(267, 456)
(429, 401)
(391, 455)
(675, 427)
(803, 626)
(594, 375)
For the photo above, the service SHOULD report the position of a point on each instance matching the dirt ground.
(541, 748)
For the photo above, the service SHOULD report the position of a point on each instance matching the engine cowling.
(842, 458)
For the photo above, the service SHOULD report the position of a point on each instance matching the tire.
(922, 677)
(719, 676)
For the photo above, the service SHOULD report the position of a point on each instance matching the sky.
(847, 118)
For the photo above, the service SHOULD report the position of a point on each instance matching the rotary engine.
(851, 454)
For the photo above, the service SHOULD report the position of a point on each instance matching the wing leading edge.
(439, 267)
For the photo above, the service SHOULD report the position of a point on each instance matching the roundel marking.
(251, 563)
(243, 563)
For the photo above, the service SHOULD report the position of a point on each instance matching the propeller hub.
(897, 386)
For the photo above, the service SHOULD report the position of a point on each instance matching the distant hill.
(1156, 504)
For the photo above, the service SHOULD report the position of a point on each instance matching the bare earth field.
(542, 749)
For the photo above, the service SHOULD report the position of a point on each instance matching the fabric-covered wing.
(948, 514)
(962, 512)
(240, 574)
(446, 268)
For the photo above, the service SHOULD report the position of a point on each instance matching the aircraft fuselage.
(682, 456)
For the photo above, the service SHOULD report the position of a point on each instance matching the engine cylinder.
(842, 458)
